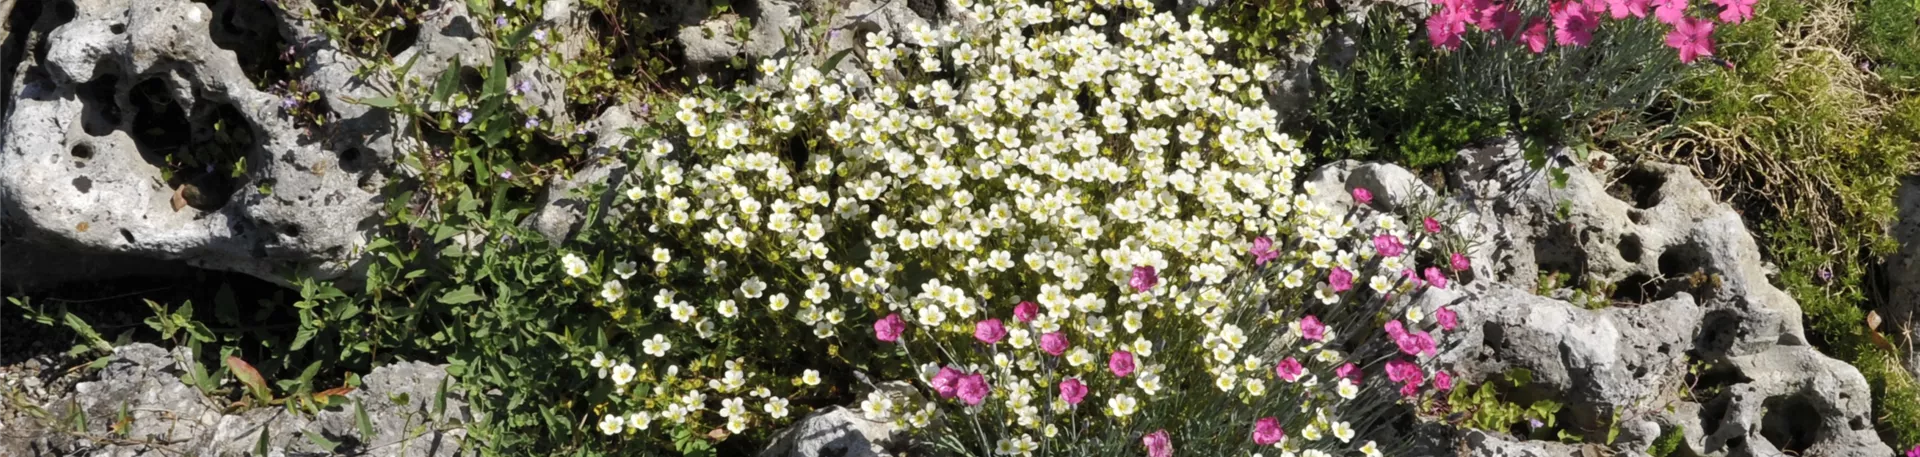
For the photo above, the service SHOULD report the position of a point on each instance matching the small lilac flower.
(523, 87)
(500, 21)
(1362, 195)
(1536, 423)
(1144, 278)
(1341, 280)
(1825, 275)
(289, 102)
(540, 35)
(506, 174)
(533, 122)
(464, 116)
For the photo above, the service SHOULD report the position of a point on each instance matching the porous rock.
(168, 417)
(1902, 311)
(1679, 282)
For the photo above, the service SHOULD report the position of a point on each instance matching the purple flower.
(973, 389)
(1362, 195)
(889, 328)
(500, 21)
(1341, 280)
(1536, 423)
(1263, 251)
(506, 174)
(1826, 275)
(532, 122)
(289, 102)
(1121, 363)
(540, 35)
(989, 331)
(523, 87)
(465, 116)
(1144, 278)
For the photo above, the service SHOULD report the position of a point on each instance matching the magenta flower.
(1341, 280)
(1535, 37)
(1572, 24)
(1432, 226)
(1400, 370)
(1436, 278)
(1026, 311)
(1144, 277)
(1054, 343)
(1120, 363)
(946, 382)
(1266, 431)
(1362, 195)
(1443, 29)
(1447, 319)
(1915, 452)
(1620, 9)
(1395, 329)
(1158, 444)
(1311, 329)
(1073, 391)
(973, 389)
(989, 331)
(888, 328)
(1459, 262)
(1670, 11)
(1288, 369)
(1348, 371)
(1442, 381)
(1263, 251)
(1388, 245)
(1693, 38)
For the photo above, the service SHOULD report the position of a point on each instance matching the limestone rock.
(1903, 271)
(835, 431)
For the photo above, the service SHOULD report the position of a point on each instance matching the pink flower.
(1670, 11)
(1915, 452)
(1311, 329)
(1460, 263)
(1288, 369)
(1263, 251)
(1535, 37)
(989, 331)
(1399, 370)
(1158, 444)
(1341, 280)
(1026, 311)
(1442, 381)
(1448, 320)
(1144, 278)
(973, 389)
(946, 383)
(1267, 431)
(1693, 38)
(888, 328)
(1348, 371)
(1360, 194)
(1120, 363)
(1073, 391)
(1409, 390)
(1388, 245)
(1736, 11)
(1620, 9)
(1436, 278)
(1572, 24)
(1432, 226)
(1054, 343)
(1444, 30)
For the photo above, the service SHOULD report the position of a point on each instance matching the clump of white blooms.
(1090, 177)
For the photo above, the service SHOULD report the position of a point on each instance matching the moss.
(1890, 35)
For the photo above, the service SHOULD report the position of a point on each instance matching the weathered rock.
(168, 417)
(835, 431)
(1903, 271)
(1679, 281)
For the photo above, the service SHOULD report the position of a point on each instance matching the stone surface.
(842, 432)
(1676, 280)
(1903, 274)
(167, 417)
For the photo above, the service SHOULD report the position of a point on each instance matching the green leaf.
(80, 326)
(440, 400)
(378, 102)
(249, 377)
(360, 420)
(260, 447)
(834, 61)
(322, 442)
(463, 295)
(449, 80)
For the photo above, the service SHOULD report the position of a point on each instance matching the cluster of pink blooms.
(1573, 22)
(971, 388)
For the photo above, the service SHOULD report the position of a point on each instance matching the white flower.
(1122, 405)
(624, 269)
(656, 346)
(1343, 431)
(727, 308)
(639, 421)
(623, 374)
(1370, 449)
(574, 265)
(810, 377)
(612, 291)
(611, 424)
(1347, 390)
(776, 407)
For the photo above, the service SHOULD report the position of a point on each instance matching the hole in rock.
(1630, 248)
(1637, 288)
(1791, 423)
(197, 150)
(127, 235)
(401, 39)
(1682, 261)
(82, 151)
(1557, 255)
(1640, 186)
(99, 111)
(83, 184)
(117, 28)
(250, 29)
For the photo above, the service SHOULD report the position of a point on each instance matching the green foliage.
(1267, 30)
(1668, 442)
(1486, 407)
(1890, 36)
